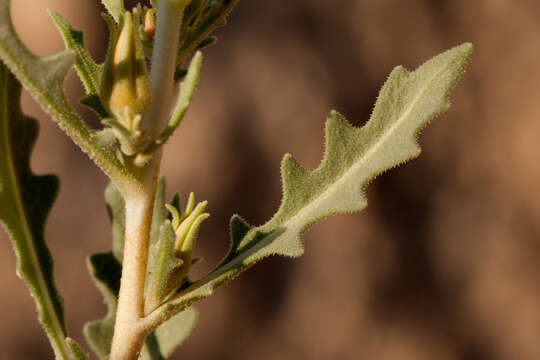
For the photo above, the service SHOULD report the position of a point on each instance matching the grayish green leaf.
(26, 200)
(159, 258)
(187, 89)
(171, 335)
(159, 212)
(43, 77)
(106, 272)
(353, 157)
(162, 268)
(89, 72)
(171, 250)
(77, 351)
(116, 208)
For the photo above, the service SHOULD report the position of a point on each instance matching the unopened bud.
(126, 88)
(150, 23)
(186, 226)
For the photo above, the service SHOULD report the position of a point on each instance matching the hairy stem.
(168, 23)
(129, 332)
(128, 335)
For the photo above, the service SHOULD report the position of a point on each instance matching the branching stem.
(129, 334)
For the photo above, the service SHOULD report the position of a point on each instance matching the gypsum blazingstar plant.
(145, 277)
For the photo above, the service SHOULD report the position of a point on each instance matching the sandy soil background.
(443, 264)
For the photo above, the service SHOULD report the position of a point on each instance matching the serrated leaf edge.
(226, 271)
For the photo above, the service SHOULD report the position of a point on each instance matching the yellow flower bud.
(126, 88)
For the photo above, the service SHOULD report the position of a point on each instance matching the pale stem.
(168, 24)
(129, 332)
(128, 336)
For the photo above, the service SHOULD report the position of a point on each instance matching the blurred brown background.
(443, 264)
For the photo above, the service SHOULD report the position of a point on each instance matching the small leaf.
(202, 21)
(163, 267)
(106, 272)
(187, 89)
(26, 200)
(78, 352)
(117, 209)
(170, 257)
(89, 72)
(115, 8)
(93, 101)
(175, 202)
(208, 41)
(107, 71)
(187, 230)
(159, 212)
(353, 157)
(192, 14)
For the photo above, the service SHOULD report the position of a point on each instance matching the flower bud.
(186, 226)
(150, 23)
(125, 88)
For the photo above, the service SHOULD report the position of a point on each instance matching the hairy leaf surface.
(115, 8)
(25, 201)
(89, 72)
(43, 77)
(187, 89)
(353, 157)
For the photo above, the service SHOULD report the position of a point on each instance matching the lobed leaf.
(353, 157)
(43, 77)
(89, 72)
(26, 200)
